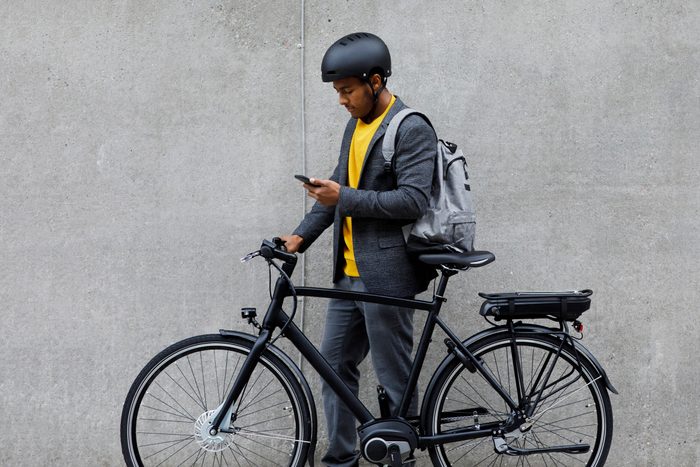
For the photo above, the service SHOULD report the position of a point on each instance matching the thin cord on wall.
(303, 167)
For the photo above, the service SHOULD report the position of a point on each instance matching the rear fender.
(582, 351)
(580, 348)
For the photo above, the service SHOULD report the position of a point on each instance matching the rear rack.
(557, 306)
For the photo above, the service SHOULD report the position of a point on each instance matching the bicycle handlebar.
(274, 249)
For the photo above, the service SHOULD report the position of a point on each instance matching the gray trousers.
(352, 330)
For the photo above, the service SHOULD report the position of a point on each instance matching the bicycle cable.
(490, 322)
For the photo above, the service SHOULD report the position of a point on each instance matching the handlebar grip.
(279, 243)
(269, 249)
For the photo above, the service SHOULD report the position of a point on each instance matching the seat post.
(426, 337)
(442, 285)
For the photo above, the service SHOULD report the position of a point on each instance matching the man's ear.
(376, 82)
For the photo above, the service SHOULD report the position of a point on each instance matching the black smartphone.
(305, 179)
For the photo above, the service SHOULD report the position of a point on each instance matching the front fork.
(224, 414)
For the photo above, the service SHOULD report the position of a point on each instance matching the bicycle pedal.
(395, 458)
(407, 463)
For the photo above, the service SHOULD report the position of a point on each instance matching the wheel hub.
(206, 441)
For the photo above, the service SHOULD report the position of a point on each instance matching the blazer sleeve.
(316, 221)
(414, 162)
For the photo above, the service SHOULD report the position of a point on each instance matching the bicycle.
(516, 393)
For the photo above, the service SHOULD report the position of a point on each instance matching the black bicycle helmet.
(359, 54)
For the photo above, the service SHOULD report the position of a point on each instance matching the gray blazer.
(382, 203)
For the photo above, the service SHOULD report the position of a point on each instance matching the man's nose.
(342, 100)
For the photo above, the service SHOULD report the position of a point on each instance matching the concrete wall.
(146, 146)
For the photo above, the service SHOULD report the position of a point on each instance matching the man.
(368, 205)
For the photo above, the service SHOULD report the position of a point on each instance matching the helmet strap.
(375, 94)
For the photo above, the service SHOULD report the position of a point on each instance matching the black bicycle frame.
(275, 317)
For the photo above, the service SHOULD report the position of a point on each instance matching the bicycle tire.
(174, 395)
(576, 408)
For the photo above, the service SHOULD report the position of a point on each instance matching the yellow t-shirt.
(361, 137)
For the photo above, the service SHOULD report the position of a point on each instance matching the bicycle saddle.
(469, 259)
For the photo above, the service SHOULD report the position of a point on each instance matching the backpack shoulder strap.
(389, 143)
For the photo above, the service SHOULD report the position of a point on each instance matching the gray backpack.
(449, 222)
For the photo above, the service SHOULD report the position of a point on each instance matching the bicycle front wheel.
(166, 412)
(572, 406)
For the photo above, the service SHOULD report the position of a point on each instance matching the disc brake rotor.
(206, 441)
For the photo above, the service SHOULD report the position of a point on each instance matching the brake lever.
(250, 256)
(279, 243)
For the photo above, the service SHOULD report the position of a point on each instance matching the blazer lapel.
(396, 108)
(345, 152)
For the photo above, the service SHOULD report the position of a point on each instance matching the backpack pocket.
(463, 227)
(442, 227)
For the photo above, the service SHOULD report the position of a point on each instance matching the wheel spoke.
(194, 378)
(571, 414)
(169, 445)
(184, 415)
(194, 391)
(493, 410)
(264, 435)
(170, 426)
(216, 373)
(248, 414)
(257, 399)
(196, 452)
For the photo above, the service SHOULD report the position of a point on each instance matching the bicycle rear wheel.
(573, 409)
(165, 415)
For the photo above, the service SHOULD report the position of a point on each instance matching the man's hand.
(325, 192)
(292, 242)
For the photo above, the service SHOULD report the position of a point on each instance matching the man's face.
(355, 95)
